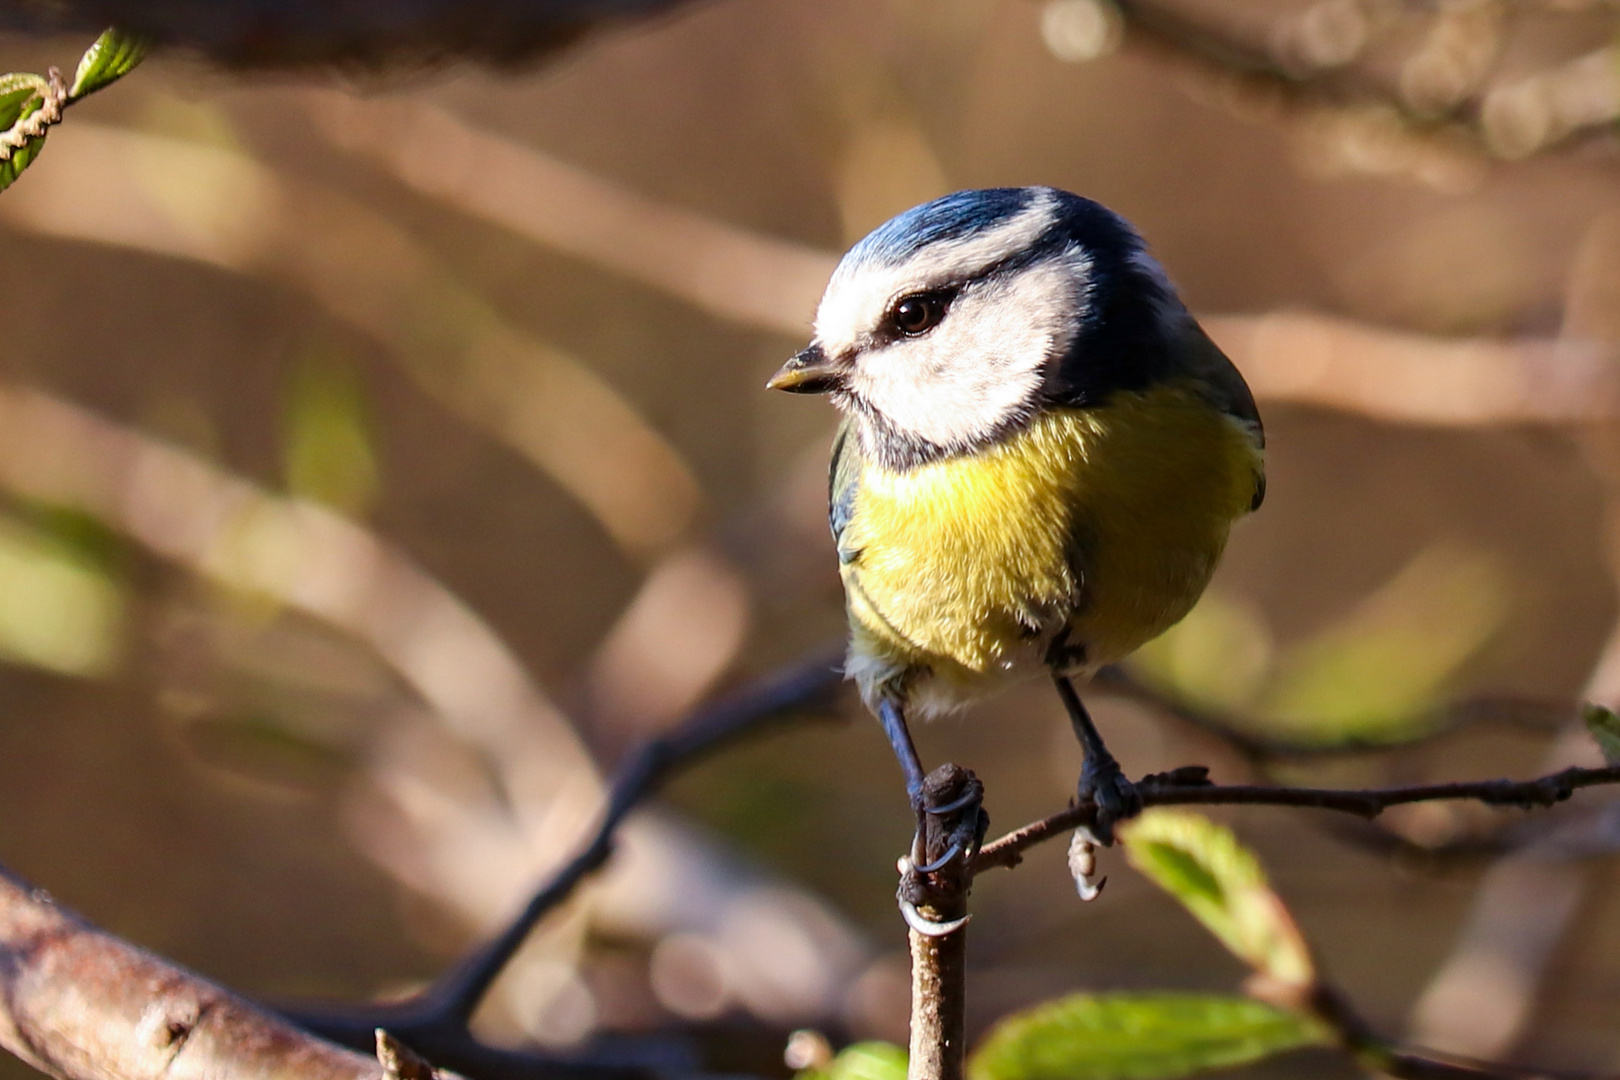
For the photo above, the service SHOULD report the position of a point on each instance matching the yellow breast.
(1108, 521)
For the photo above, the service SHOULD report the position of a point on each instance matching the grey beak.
(810, 371)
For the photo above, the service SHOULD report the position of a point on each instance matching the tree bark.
(79, 1003)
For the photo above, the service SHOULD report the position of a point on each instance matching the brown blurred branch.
(532, 397)
(727, 270)
(766, 282)
(1413, 378)
(1445, 107)
(82, 1004)
(369, 274)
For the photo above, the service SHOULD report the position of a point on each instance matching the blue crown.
(949, 217)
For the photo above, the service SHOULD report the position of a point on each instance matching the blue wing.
(843, 484)
(1224, 385)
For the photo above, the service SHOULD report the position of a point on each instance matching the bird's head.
(957, 321)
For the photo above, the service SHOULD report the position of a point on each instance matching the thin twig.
(53, 98)
(1187, 787)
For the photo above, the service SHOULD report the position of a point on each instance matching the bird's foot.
(935, 875)
(1103, 783)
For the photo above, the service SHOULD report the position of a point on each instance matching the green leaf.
(1137, 1037)
(862, 1061)
(19, 96)
(20, 158)
(1605, 728)
(113, 56)
(1202, 864)
(19, 99)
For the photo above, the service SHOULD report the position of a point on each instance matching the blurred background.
(384, 452)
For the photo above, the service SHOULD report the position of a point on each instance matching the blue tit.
(1040, 459)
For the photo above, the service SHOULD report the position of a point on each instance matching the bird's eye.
(918, 313)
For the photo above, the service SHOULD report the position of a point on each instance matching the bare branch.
(938, 936)
(1189, 786)
(436, 1022)
(81, 1004)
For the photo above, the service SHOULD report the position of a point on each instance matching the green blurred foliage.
(1218, 658)
(327, 448)
(1149, 1036)
(1376, 676)
(1604, 727)
(60, 609)
(862, 1061)
(264, 749)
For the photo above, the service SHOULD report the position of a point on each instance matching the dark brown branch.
(364, 35)
(81, 1004)
(436, 1022)
(1189, 787)
(1356, 1037)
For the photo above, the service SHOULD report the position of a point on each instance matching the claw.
(952, 852)
(965, 800)
(928, 927)
(1083, 865)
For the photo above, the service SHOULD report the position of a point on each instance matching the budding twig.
(1189, 786)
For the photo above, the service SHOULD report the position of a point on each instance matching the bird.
(1040, 459)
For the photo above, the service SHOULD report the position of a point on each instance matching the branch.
(939, 959)
(82, 1004)
(1189, 786)
(436, 1022)
(1329, 1005)
(53, 98)
(79, 1003)
(1262, 69)
(359, 35)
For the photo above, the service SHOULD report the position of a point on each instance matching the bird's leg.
(1101, 779)
(894, 726)
(958, 806)
(951, 823)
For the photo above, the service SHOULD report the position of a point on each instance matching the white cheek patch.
(858, 296)
(984, 364)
